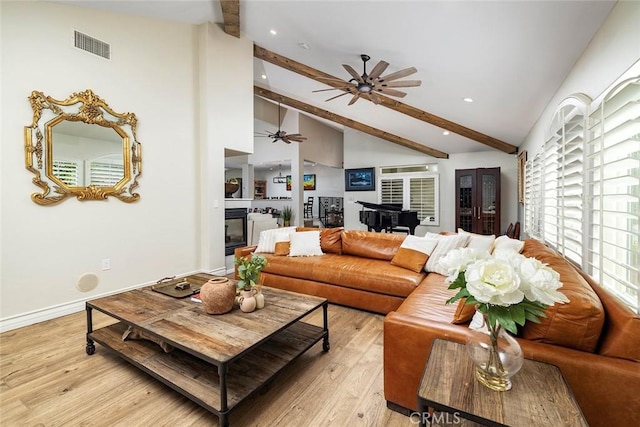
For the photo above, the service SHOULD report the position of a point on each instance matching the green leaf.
(459, 282)
(503, 316)
(462, 293)
(518, 314)
(531, 317)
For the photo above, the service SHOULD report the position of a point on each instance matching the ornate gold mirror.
(80, 147)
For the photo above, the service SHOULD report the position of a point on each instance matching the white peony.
(457, 260)
(494, 281)
(540, 282)
(510, 255)
(503, 279)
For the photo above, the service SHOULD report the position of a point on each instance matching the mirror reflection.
(85, 154)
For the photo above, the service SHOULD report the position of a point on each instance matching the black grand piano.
(388, 217)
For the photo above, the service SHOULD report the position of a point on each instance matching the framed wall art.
(308, 180)
(363, 179)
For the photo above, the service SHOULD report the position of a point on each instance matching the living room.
(190, 109)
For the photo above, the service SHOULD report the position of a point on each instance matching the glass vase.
(496, 355)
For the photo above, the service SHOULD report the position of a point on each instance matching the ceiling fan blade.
(398, 75)
(377, 70)
(297, 139)
(375, 98)
(391, 92)
(332, 79)
(353, 73)
(403, 83)
(338, 96)
(333, 88)
(354, 99)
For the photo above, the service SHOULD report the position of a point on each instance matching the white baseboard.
(37, 316)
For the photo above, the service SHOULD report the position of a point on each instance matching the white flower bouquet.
(507, 287)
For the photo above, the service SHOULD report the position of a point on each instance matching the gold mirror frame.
(88, 108)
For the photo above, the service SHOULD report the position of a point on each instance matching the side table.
(540, 396)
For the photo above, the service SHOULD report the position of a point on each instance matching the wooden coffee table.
(246, 349)
(540, 396)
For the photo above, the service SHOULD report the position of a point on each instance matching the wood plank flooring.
(47, 379)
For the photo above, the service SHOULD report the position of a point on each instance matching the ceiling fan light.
(364, 88)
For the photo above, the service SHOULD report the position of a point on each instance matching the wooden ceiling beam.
(231, 16)
(319, 112)
(398, 106)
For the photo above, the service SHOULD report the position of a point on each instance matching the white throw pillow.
(305, 243)
(445, 244)
(504, 242)
(479, 242)
(268, 239)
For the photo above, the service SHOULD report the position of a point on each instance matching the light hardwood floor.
(47, 379)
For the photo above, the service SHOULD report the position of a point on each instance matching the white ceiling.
(509, 56)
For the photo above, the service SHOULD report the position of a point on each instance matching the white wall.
(324, 144)
(225, 102)
(154, 73)
(362, 150)
(613, 50)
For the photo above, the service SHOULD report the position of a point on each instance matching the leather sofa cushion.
(330, 239)
(348, 271)
(368, 244)
(621, 331)
(429, 300)
(464, 312)
(576, 324)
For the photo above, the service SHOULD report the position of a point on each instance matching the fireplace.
(235, 229)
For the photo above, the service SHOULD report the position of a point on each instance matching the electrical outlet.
(106, 264)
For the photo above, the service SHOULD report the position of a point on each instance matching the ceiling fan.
(374, 83)
(281, 135)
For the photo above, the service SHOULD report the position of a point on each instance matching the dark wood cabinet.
(478, 200)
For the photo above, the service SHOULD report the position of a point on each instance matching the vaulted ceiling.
(508, 56)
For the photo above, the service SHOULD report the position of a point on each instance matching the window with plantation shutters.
(422, 196)
(582, 190)
(571, 181)
(563, 183)
(613, 179)
(413, 187)
(66, 171)
(392, 191)
(533, 197)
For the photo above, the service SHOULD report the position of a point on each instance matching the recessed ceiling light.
(264, 76)
(273, 32)
(304, 46)
(446, 132)
(468, 100)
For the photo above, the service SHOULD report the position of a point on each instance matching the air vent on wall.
(91, 45)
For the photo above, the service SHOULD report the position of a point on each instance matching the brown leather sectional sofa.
(594, 339)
